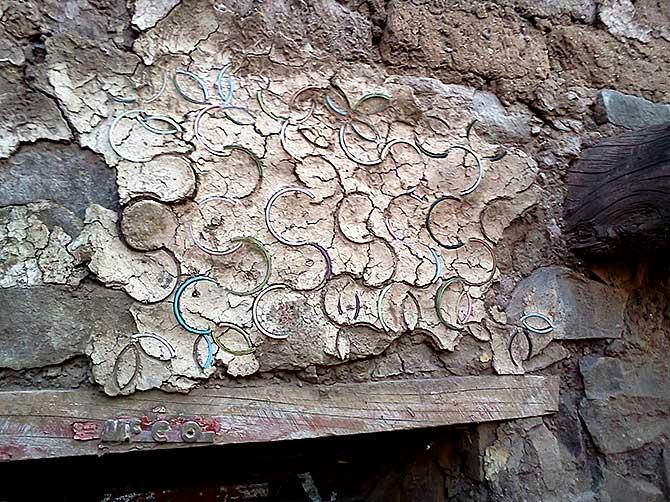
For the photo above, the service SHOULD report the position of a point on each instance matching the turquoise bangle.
(177, 299)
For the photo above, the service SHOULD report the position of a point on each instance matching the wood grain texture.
(619, 195)
(40, 424)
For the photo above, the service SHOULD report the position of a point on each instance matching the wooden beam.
(45, 423)
(619, 195)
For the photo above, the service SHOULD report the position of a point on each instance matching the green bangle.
(234, 327)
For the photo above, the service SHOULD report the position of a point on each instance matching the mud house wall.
(543, 79)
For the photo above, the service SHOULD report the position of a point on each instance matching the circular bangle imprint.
(283, 141)
(254, 312)
(228, 108)
(257, 161)
(380, 305)
(377, 138)
(199, 82)
(432, 207)
(227, 326)
(491, 272)
(373, 95)
(110, 135)
(160, 91)
(176, 304)
(268, 209)
(266, 110)
(438, 303)
(312, 107)
(198, 242)
(380, 300)
(207, 109)
(329, 267)
(314, 137)
(268, 265)
(364, 239)
(387, 148)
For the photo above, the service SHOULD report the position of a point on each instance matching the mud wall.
(94, 243)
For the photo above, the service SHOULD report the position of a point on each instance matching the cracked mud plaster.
(33, 252)
(25, 115)
(369, 219)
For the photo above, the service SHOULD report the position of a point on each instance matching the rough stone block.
(632, 112)
(579, 308)
(49, 325)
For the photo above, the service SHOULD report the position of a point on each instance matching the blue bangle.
(177, 300)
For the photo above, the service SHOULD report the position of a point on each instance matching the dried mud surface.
(81, 225)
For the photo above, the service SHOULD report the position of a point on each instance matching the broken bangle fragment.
(254, 312)
(228, 96)
(268, 265)
(159, 339)
(145, 120)
(110, 136)
(198, 242)
(210, 351)
(491, 272)
(117, 366)
(432, 207)
(351, 156)
(200, 83)
(438, 303)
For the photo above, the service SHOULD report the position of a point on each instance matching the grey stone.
(626, 402)
(606, 377)
(632, 112)
(66, 174)
(546, 445)
(620, 19)
(26, 115)
(502, 123)
(579, 308)
(666, 465)
(627, 489)
(619, 425)
(49, 325)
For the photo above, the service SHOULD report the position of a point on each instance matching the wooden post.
(619, 195)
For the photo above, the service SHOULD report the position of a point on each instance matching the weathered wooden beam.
(40, 424)
(619, 195)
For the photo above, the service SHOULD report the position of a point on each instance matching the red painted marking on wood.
(86, 431)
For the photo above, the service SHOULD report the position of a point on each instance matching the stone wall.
(92, 246)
